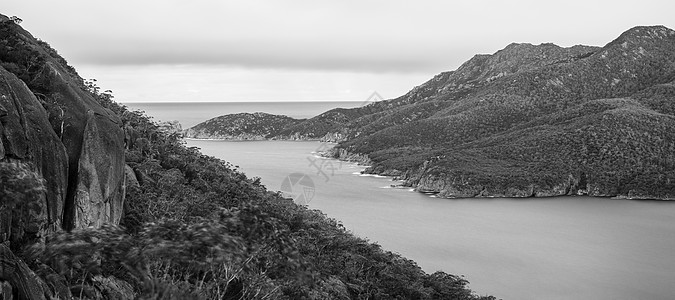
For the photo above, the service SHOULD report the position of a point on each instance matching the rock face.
(27, 136)
(94, 141)
(100, 184)
(51, 122)
(18, 276)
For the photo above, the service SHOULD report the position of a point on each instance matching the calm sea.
(553, 248)
(190, 114)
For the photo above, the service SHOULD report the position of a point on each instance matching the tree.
(16, 20)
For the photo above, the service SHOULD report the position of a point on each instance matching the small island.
(241, 126)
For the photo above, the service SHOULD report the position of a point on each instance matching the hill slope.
(526, 121)
(74, 165)
(595, 124)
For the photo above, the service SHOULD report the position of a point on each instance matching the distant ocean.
(193, 113)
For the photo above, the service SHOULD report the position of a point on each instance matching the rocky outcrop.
(62, 163)
(52, 123)
(130, 178)
(343, 154)
(15, 275)
(94, 141)
(100, 181)
(27, 136)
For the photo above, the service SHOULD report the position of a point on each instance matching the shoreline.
(438, 194)
(360, 160)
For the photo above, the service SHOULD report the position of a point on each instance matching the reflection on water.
(545, 248)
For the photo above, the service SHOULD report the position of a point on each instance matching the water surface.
(544, 248)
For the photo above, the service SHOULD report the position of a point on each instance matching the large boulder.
(100, 184)
(94, 141)
(28, 138)
(55, 123)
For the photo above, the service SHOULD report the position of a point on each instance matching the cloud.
(364, 36)
(310, 54)
(199, 83)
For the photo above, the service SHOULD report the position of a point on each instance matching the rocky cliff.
(52, 123)
(27, 136)
(62, 148)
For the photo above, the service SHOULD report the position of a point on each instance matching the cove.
(534, 248)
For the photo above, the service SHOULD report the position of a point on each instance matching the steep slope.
(54, 124)
(27, 136)
(194, 227)
(527, 121)
(426, 99)
(549, 130)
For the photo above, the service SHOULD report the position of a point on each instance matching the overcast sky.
(305, 50)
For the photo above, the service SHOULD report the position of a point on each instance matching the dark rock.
(100, 188)
(130, 177)
(17, 274)
(56, 284)
(67, 124)
(94, 141)
(28, 137)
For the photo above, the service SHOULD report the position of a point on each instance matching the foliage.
(527, 120)
(521, 123)
(197, 228)
(21, 202)
(16, 20)
(243, 125)
(18, 184)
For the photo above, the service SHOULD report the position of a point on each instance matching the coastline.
(442, 188)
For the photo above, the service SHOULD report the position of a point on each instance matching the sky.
(206, 51)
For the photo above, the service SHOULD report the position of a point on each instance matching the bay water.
(535, 248)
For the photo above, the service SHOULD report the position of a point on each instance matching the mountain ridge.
(528, 120)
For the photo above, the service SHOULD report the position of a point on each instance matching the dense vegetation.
(241, 126)
(598, 123)
(196, 228)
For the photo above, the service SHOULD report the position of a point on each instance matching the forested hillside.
(596, 123)
(528, 120)
(242, 126)
(97, 202)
